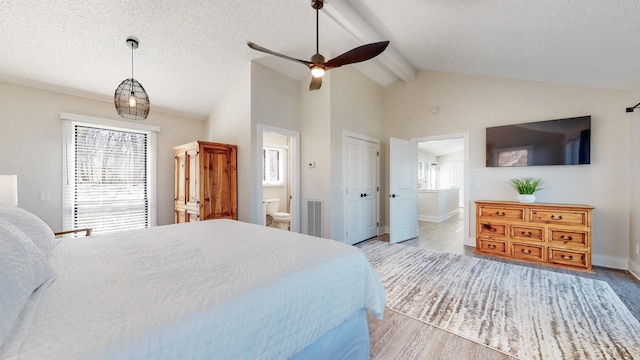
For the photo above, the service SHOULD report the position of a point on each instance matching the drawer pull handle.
(567, 257)
(500, 213)
(568, 238)
(559, 217)
(525, 251)
(528, 233)
(491, 246)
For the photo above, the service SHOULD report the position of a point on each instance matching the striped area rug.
(524, 312)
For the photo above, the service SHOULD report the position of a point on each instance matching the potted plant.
(526, 187)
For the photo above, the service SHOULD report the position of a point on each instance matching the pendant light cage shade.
(128, 89)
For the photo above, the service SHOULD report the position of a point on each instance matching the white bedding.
(213, 289)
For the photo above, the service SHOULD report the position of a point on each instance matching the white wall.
(259, 95)
(274, 102)
(31, 144)
(357, 105)
(315, 146)
(472, 103)
(634, 210)
(230, 123)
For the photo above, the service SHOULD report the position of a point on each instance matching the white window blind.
(110, 177)
(273, 166)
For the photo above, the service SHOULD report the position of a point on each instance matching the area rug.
(524, 312)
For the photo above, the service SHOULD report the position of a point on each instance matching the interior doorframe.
(467, 238)
(294, 164)
(345, 135)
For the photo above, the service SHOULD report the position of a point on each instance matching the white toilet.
(280, 220)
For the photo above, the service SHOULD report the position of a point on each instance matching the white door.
(361, 172)
(403, 186)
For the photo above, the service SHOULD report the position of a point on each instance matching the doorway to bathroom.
(279, 177)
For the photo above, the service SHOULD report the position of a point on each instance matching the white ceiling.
(191, 51)
(437, 148)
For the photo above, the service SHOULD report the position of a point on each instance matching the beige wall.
(471, 103)
(31, 144)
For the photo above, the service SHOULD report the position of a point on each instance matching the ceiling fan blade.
(361, 53)
(316, 82)
(271, 52)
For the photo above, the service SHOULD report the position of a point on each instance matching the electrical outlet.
(45, 195)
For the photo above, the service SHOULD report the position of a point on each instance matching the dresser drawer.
(568, 257)
(498, 247)
(559, 217)
(498, 212)
(527, 233)
(490, 230)
(571, 238)
(527, 252)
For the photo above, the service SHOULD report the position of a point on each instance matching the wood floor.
(401, 337)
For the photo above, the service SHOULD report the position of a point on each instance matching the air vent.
(314, 217)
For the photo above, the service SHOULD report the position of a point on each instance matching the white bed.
(218, 289)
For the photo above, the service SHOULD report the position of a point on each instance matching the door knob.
(361, 195)
(394, 195)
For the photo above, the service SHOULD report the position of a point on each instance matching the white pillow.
(36, 229)
(23, 268)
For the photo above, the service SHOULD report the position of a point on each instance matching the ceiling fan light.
(317, 71)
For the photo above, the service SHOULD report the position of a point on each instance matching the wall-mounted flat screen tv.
(551, 142)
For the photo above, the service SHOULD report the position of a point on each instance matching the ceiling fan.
(317, 65)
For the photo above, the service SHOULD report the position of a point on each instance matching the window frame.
(69, 122)
(266, 165)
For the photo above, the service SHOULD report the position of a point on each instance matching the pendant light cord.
(317, 32)
(132, 61)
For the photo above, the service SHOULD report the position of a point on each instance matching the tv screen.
(551, 142)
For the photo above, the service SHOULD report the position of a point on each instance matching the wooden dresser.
(550, 234)
(205, 181)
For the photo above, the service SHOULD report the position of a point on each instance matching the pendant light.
(131, 100)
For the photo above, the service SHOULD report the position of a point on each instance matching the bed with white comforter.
(219, 289)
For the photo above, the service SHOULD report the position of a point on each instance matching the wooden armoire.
(205, 181)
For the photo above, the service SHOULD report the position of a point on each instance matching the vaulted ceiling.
(191, 51)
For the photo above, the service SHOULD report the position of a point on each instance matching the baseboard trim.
(440, 218)
(610, 262)
(634, 269)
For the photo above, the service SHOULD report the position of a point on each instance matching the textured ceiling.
(191, 51)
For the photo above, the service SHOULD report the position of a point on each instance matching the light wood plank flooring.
(401, 337)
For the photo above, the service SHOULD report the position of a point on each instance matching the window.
(272, 166)
(109, 175)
